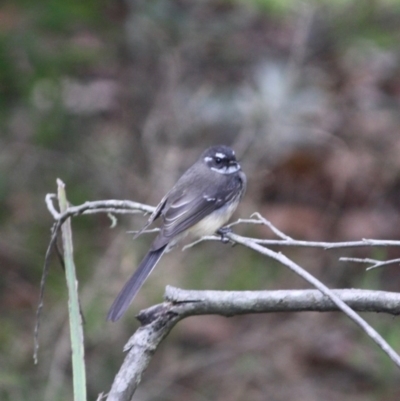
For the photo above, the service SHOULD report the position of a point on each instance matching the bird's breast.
(214, 220)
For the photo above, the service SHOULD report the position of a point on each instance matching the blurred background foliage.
(117, 99)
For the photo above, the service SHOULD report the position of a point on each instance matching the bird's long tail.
(133, 285)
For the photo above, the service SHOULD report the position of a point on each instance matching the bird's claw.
(222, 232)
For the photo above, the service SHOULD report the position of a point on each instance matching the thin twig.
(149, 231)
(53, 239)
(116, 206)
(383, 263)
(312, 244)
(245, 221)
(275, 230)
(375, 263)
(102, 206)
(371, 332)
(288, 241)
(50, 206)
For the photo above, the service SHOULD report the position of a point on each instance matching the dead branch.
(157, 321)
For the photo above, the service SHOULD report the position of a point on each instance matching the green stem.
(75, 319)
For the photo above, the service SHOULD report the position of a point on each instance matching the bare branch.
(53, 239)
(160, 319)
(330, 245)
(158, 322)
(50, 206)
(275, 230)
(383, 263)
(103, 206)
(375, 263)
(107, 206)
(312, 244)
(288, 241)
(303, 244)
(229, 303)
(205, 238)
(372, 333)
(152, 230)
(261, 221)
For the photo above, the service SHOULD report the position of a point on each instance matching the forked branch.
(158, 320)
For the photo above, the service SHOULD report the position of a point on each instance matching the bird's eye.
(218, 160)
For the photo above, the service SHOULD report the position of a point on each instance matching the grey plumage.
(201, 202)
(133, 285)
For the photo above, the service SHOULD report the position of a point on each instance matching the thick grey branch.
(157, 323)
(230, 303)
(158, 320)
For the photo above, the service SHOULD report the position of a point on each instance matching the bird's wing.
(152, 217)
(186, 211)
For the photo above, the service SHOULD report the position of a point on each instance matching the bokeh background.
(117, 98)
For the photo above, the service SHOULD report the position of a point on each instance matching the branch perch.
(374, 262)
(158, 320)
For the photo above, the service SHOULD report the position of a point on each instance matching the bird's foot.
(222, 232)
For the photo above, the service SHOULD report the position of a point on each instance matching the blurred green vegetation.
(101, 155)
(285, 6)
(28, 42)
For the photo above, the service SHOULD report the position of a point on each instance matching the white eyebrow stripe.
(220, 155)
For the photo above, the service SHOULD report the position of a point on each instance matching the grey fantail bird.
(200, 203)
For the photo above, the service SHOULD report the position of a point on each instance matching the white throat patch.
(227, 170)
